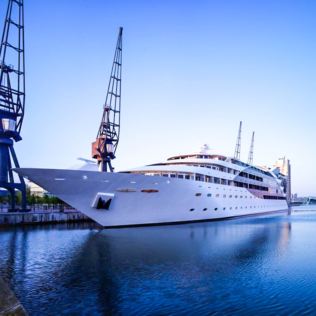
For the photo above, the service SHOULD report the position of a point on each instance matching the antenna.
(289, 183)
(12, 97)
(250, 157)
(103, 149)
(238, 143)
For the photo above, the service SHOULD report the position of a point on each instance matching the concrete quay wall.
(40, 217)
(9, 304)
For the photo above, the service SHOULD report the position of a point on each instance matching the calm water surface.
(263, 265)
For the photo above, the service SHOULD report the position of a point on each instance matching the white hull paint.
(166, 200)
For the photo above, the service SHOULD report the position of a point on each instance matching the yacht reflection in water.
(144, 270)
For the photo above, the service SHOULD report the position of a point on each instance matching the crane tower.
(12, 97)
(104, 148)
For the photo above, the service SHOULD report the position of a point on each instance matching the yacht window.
(172, 175)
(187, 177)
(180, 176)
(199, 177)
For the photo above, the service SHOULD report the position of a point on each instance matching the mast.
(238, 143)
(12, 97)
(104, 148)
(250, 157)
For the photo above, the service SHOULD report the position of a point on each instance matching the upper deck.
(218, 169)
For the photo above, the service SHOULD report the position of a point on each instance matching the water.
(263, 265)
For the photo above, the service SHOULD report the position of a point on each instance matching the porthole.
(209, 194)
(205, 209)
(224, 208)
(198, 194)
(215, 209)
(217, 195)
(191, 209)
(149, 191)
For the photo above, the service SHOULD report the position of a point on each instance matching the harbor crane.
(12, 98)
(104, 148)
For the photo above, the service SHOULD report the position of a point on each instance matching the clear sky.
(191, 71)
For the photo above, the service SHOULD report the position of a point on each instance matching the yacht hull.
(133, 199)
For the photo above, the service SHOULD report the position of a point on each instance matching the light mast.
(238, 143)
(250, 157)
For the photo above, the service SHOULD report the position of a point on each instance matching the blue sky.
(191, 71)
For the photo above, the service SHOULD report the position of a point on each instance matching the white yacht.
(199, 186)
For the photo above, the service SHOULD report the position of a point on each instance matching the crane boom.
(104, 148)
